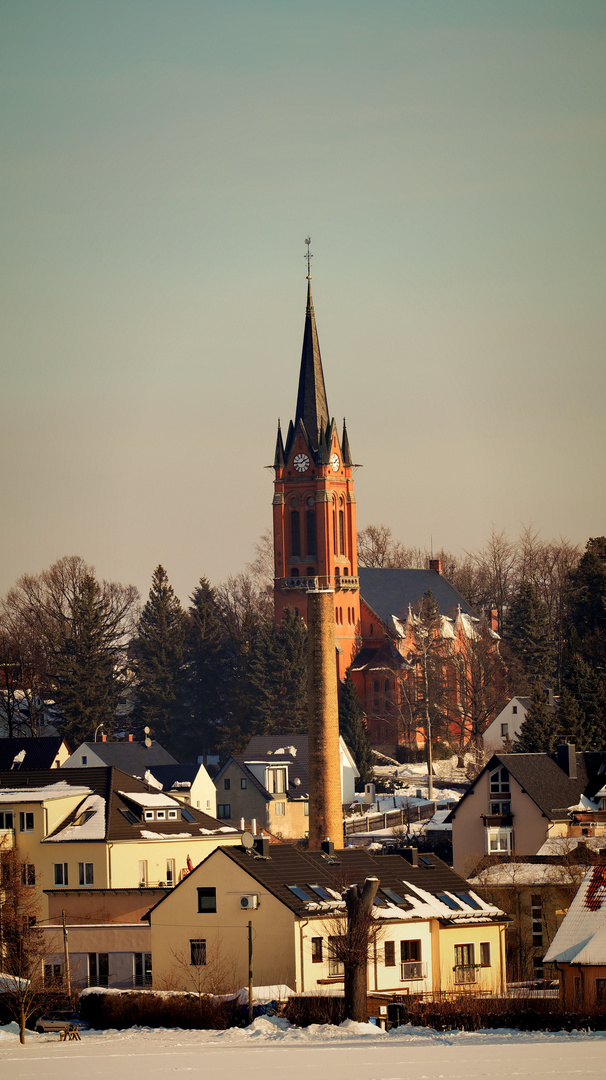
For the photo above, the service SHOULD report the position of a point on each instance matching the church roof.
(312, 406)
(389, 592)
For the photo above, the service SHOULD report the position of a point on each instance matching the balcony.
(301, 584)
(415, 969)
(343, 582)
(306, 584)
(498, 821)
(466, 973)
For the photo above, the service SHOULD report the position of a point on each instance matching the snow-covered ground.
(272, 1050)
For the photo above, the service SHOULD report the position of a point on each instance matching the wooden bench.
(70, 1034)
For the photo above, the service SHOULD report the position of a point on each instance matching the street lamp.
(96, 730)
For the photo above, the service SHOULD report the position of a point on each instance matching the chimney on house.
(411, 855)
(129, 738)
(436, 564)
(493, 620)
(567, 759)
(325, 805)
(103, 738)
(261, 846)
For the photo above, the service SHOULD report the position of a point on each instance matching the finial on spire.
(309, 257)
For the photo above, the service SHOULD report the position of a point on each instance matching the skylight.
(393, 896)
(321, 892)
(449, 901)
(468, 899)
(299, 892)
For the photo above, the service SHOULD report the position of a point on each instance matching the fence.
(391, 819)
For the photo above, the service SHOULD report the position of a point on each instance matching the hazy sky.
(163, 162)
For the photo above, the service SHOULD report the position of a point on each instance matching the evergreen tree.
(570, 722)
(527, 634)
(353, 730)
(86, 687)
(586, 687)
(540, 730)
(203, 673)
(289, 675)
(587, 603)
(159, 663)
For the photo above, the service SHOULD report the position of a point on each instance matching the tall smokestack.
(325, 806)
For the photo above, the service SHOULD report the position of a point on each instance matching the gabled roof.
(132, 757)
(34, 753)
(170, 775)
(581, 939)
(390, 592)
(103, 793)
(544, 780)
(419, 887)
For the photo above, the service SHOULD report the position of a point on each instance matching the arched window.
(311, 532)
(295, 535)
(341, 532)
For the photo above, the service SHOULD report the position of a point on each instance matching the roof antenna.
(309, 257)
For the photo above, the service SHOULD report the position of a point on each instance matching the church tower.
(314, 507)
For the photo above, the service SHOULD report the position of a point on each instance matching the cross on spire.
(309, 257)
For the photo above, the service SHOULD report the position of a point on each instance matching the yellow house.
(90, 829)
(432, 932)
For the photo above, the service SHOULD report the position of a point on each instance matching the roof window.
(299, 892)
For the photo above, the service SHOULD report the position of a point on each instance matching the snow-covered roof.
(88, 825)
(59, 790)
(520, 874)
(148, 835)
(150, 799)
(581, 939)
(561, 845)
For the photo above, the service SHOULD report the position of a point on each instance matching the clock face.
(301, 462)
(334, 462)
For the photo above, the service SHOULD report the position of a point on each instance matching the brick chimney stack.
(436, 564)
(325, 807)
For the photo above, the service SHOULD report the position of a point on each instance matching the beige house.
(84, 830)
(116, 955)
(432, 933)
(269, 784)
(520, 801)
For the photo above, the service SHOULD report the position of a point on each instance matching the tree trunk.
(22, 1026)
(359, 901)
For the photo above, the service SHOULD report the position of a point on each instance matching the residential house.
(44, 752)
(579, 947)
(99, 828)
(433, 932)
(505, 728)
(127, 754)
(269, 784)
(519, 801)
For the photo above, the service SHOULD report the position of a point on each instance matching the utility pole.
(66, 956)
(250, 972)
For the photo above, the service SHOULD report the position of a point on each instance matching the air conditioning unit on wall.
(251, 900)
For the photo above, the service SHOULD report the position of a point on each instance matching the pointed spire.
(345, 446)
(279, 454)
(312, 407)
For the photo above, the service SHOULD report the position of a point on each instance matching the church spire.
(312, 407)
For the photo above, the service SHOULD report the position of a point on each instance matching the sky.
(163, 162)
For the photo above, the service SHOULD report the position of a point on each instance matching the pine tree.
(203, 672)
(587, 603)
(527, 633)
(159, 662)
(540, 731)
(289, 675)
(353, 730)
(86, 687)
(586, 687)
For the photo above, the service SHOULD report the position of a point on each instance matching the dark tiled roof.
(39, 753)
(265, 747)
(131, 757)
(545, 781)
(288, 865)
(169, 775)
(389, 592)
(108, 782)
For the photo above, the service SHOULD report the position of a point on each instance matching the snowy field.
(272, 1050)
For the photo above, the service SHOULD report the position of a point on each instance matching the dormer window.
(160, 815)
(172, 815)
(148, 815)
(276, 781)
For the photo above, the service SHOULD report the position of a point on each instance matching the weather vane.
(308, 256)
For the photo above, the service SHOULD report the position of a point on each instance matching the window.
(280, 808)
(341, 533)
(28, 874)
(60, 873)
(393, 896)
(84, 759)
(321, 892)
(295, 535)
(26, 822)
(276, 781)
(207, 900)
(600, 990)
(410, 951)
(299, 893)
(197, 952)
(484, 954)
(499, 840)
(170, 871)
(514, 709)
(305, 809)
(6, 819)
(316, 950)
(172, 815)
(148, 815)
(243, 783)
(160, 815)
(85, 873)
(128, 814)
(537, 971)
(142, 965)
(226, 784)
(335, 966)
(224, 810)
(390, 953)
(464, 963)
(53, 973)
(468, 899)
(504, 730)
(501, 807)
(536, 919)
(142, 871)
(98, 969)
(499, 782)
(311, 533)
(449, 901)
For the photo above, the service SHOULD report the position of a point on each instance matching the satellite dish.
(147, 741)
(146, 730)
(247, 840)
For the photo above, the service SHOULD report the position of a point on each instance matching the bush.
(470, 1013)
(126, 1008)
(314, 1009)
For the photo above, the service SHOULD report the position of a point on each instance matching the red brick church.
(315, 547)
